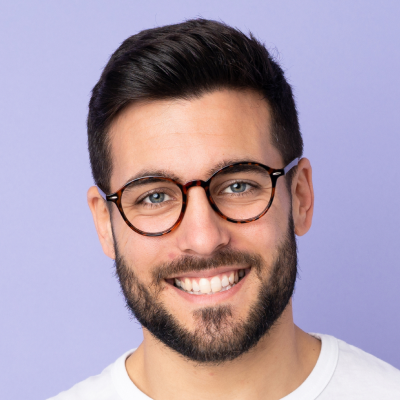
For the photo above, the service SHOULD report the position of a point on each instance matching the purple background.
(62, 314)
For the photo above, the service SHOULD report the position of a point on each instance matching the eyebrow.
(225, 163)
(162, 173)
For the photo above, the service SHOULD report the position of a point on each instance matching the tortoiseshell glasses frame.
(273, 173)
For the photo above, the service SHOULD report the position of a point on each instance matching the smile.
(211, 284)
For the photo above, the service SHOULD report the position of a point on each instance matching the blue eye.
(238, 187)
(156, 198)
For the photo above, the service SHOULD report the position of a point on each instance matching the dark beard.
(218, 337)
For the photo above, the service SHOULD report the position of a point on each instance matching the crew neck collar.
(310, 389)
(322, 373)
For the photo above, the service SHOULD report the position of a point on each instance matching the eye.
(237, 187)
(156, 198)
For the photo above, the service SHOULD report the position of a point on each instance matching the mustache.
(221, 258)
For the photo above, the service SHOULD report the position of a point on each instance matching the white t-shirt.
(342, 372)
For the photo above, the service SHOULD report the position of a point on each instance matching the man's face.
(188, 139)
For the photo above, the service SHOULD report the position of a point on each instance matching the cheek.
(143, 253)
(263, 236)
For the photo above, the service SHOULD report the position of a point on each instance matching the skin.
(188, 138)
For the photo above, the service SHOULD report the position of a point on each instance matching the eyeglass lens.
(154, 205)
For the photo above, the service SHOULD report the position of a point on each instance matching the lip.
(214, 298)
(208, 273)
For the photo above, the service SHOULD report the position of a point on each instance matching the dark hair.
(186, 61)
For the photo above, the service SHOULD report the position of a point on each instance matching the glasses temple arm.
(291, 165)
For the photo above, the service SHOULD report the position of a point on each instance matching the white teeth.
(196, 287)
(188, 285)
(216, 284)
(205, 286)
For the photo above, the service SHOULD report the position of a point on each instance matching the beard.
(217, 337)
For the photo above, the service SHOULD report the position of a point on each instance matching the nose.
(202, 231)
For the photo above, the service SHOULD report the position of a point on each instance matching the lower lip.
(210, 298)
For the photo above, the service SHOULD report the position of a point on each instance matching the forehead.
(188, 138)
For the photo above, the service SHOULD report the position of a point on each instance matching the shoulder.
(353, 360)
(360, 373)
(99, 387)
(110, 384)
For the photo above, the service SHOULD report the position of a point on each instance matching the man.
(196, 152)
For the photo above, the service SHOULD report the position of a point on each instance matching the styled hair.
(185, 61)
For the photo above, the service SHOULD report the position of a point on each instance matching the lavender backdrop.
(62, 315)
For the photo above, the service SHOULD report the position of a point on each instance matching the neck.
(280, 363)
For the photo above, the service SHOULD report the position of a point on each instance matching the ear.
(302, 197)
(102, 220)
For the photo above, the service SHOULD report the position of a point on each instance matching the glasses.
(240, 193)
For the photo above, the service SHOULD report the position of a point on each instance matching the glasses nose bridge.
(197, 182)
